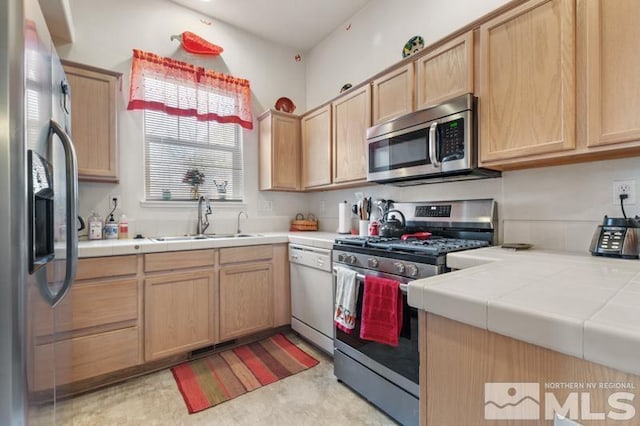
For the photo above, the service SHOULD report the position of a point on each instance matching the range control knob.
(351, 259)
(373, 262)
(412, 270)
(342, 257)
(399, 267)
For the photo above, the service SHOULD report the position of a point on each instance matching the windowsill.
(218, 204)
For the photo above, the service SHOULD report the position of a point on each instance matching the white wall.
(376, 36)
(107, 31)
(554, 207)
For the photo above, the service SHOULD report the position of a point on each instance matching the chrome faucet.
(246, 216)
(203, 224)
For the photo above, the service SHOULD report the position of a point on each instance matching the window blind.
(175, 144)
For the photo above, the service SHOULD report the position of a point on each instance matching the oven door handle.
(360, 277)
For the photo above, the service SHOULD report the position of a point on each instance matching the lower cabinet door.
(179, 313)
(246, 299)
(87, 356)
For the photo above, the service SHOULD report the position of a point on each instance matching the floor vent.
(232, 342)
(202, 351)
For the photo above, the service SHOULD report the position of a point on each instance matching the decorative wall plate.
(285, 105)
(414, 44)
(346, 87)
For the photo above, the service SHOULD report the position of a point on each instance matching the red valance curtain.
(180, 88)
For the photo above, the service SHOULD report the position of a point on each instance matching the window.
(192, 121)
(176, 144)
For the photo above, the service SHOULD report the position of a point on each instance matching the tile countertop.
(146, 245)
(577, 304)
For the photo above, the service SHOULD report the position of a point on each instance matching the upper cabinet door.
(316, 148)
(527, 92)
(393, 94)
(445, 72)
(93, 121)
(613, 68)
(351, 118)
(279, 152)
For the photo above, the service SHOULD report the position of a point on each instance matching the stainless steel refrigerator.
(38, 203)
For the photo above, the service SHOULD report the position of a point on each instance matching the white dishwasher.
(312, 294)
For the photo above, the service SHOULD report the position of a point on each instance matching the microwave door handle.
(71, 177)
(432, 145)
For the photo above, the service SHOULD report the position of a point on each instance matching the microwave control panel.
(451, 136)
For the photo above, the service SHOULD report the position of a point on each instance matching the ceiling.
(300, 24)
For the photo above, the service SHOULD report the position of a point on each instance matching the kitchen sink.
(202, 237)
(233, 235)
(181, 238)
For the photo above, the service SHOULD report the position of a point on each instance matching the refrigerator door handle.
(71, 175)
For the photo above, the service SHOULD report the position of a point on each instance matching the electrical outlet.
(323, 206)
(624, 187)
(267, 205)
(110, 201)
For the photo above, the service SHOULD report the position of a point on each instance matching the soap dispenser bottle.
(111, 229)
(123, 227)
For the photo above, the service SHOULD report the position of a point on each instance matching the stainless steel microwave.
(431, 145)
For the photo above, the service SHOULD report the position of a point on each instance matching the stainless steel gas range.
(388, 376)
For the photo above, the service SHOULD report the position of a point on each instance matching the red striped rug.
(209, 381)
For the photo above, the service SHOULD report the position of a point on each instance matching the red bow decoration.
(193, 43)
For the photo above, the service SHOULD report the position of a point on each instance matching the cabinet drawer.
(178, 260)
(103, 267)
(88, 356)
(89, 304)
(245, 254)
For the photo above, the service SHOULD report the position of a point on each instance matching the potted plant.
(194, 177)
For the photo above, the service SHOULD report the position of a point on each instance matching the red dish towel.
(381, 318)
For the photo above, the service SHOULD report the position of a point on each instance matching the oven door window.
(408, 150)
(403, 359)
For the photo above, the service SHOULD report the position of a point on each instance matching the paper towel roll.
(344, 218)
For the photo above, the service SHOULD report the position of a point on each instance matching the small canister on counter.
(111, 229)
(374, 227)
(95, 227)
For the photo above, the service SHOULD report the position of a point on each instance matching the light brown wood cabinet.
(316, 148)
(351, 116)
(458, 360)
(125, 311)
(98, 325)
(179, 302)
(179, 313)
(94, 130)
(527, 86)
(392, 94)
(445, 72)
(246, 291)
(612, 68)
(279, 151)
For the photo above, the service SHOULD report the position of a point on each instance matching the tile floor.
(312, 397)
